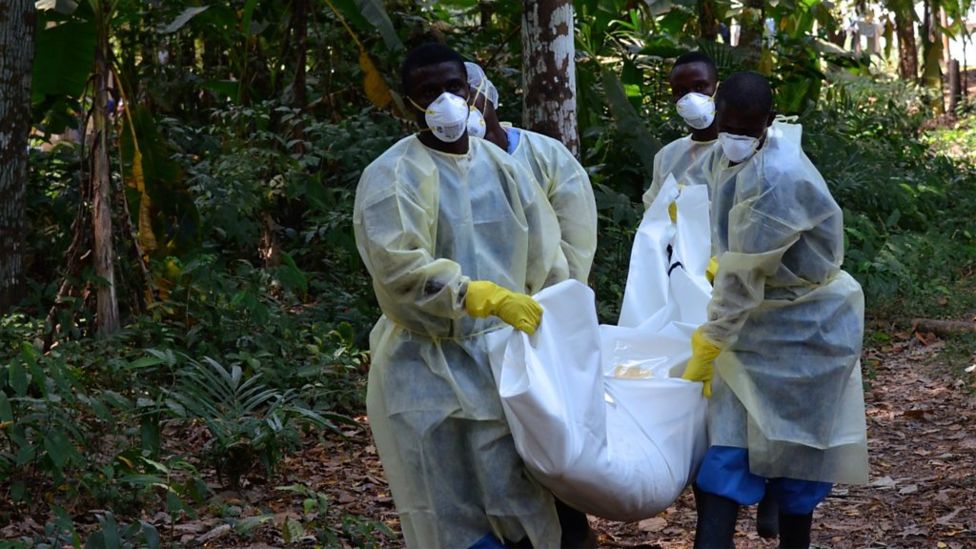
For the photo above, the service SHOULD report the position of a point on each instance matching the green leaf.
(291, 277)
(17, 377)
(144, 480)
(150, 434)
(292, 530)
(150, 535)
(674, 22)
(63, 59)
(144, 362)
(350, 11)
(58, 447)
(373, 13)
(65, 522)
(250, 523)
(173, 214)
(182, 19)
(6, 411)
(631, 75)
(893, 219)
(110, 532)
(17, 490)
(26, 453)
(247, 16)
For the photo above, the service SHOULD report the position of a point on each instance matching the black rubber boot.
(716, 520)
(794, 531)
(576, 528)
(767, 517)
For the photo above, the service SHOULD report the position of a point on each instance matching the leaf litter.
(922, 491)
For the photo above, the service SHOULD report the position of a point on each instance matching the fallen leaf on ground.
(653, 524)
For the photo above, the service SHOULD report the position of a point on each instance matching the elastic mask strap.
(414, 103)
(480, 90)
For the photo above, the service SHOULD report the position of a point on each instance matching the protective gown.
(677, 158)
(426, 223)
(789, 320)
(566, 185)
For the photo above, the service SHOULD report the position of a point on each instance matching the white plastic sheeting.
(596, 412)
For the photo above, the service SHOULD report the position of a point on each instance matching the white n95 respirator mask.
(447, 117)
(697, 110)
(476, 123)
(737, 147)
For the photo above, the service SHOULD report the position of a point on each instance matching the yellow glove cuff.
(712, 269)
(482, 298)
(702, 347)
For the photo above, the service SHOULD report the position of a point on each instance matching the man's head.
(430, 70)
(483, 93)
(486, 94)
(693, 72)
(744, 105)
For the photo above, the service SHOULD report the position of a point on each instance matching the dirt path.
(922, 431)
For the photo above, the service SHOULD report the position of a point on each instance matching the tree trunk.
(907, 46)
(707, 22)
(943, 327)
(751, 31)
(107, 313)
(549, 70)
(944, 24)
(932, 53)
(16, 58)
(486, 9)
(955, 87)
(299, 25)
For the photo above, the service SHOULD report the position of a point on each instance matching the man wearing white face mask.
(561, 177)
(784, 329)
(456, 237)
(694, 80)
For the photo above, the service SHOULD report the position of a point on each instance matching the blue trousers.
(488, 542)
(725, 472)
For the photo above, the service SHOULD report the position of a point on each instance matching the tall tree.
(707, 21)
(549, 70)
(299, 29)
(107, 313)
(907, 46)
(16, 56)
(932, 54)
(751, 30)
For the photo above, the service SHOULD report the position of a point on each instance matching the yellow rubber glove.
(673, 212)
(711, 270)
(700, 367)
(486, 298)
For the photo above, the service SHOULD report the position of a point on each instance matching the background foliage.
(259, 308)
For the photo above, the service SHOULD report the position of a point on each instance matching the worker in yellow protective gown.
(784, 330)
(564, 181)
(455, 235)
(567, 187)
(693, 80)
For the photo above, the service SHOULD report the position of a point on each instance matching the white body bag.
(598, 413)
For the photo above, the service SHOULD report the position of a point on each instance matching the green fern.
(248, 420)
